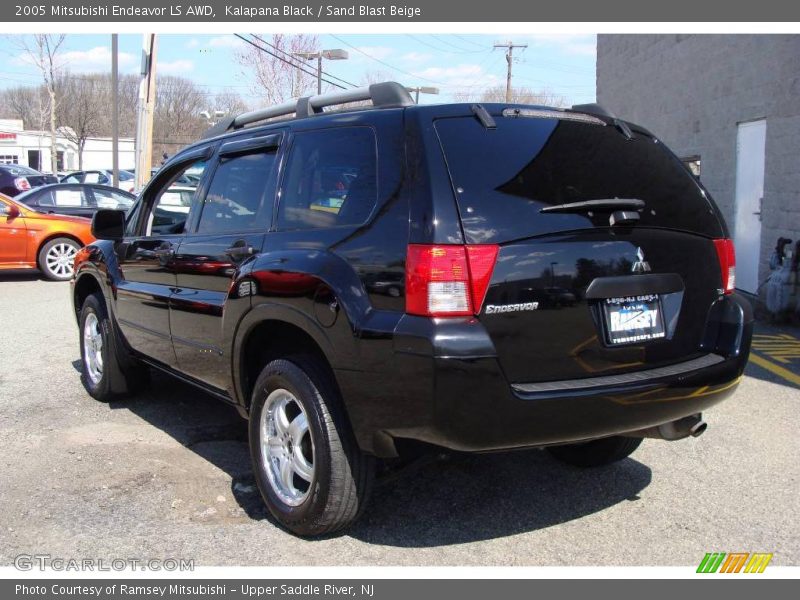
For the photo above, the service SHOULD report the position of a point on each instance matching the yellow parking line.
(776, 369)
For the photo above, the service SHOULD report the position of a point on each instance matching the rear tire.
(103, 374)
(312, 476)
(56, 258)
(596, 453)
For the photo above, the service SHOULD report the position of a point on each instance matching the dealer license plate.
(633, 319)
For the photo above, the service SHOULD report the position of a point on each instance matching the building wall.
(97, 152)
(693, 90)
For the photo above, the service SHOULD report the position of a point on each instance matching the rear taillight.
(727, 264)
(22, 184)
(448, 281)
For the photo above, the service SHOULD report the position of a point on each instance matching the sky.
(562, 64)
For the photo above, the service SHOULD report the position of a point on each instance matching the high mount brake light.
(448, 280)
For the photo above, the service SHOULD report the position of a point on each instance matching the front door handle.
(163, 252)
(240, 250)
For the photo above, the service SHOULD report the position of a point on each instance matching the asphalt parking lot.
(167, 474)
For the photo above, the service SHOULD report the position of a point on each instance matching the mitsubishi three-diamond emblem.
(641, 265)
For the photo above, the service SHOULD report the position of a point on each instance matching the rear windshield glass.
(503, 177)
(20, 170)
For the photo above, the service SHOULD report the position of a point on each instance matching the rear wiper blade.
(603, 205)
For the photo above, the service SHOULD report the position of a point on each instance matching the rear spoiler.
(593, 109)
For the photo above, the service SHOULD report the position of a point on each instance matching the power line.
(280, 58)
(461, 37)
(274, 47)
(440, 49)
(384, 63)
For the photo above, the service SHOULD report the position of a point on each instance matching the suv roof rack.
(388, 94)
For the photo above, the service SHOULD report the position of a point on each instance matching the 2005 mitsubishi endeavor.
(471, 277)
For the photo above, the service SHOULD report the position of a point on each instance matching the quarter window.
(331, 179)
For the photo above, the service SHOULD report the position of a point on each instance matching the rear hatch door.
(571, 295)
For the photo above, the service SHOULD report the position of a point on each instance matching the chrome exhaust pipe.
(691, 426)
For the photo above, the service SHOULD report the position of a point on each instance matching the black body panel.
(192, 302)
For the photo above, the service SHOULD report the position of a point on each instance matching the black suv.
(477, 278)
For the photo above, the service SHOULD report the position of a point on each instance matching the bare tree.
(177, 119)
(519, 95)
(42, 51)
(23, 102)
(274, 76)
(82, 115)
(230, 103)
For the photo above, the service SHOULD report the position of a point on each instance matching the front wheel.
(313, 477)
(597, 452)
(57, 257)
(104, 375)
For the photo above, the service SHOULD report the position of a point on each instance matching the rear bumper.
(450, 391)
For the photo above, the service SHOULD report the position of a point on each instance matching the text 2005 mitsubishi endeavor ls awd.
(471, 277)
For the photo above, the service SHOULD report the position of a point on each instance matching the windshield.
(503, 178)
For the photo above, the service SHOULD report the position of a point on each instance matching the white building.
(32, 149)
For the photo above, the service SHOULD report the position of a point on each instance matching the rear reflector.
(727, 264)
(22, 184)
(448, 281)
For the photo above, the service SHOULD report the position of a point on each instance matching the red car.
(35, 240)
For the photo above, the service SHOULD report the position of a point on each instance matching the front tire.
(596, 453)
(57, 258)
(103, 374)
(312, 476)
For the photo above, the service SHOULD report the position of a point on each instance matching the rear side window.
(241, 195)
(502, 178)
(64, 197)
(331, 179)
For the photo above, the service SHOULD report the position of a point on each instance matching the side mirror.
(9, 210)
(109, 224)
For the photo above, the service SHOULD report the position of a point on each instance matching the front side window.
(170, 208)
(331, 179)
(241, 195)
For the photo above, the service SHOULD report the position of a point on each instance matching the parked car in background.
(80, 200)
(15, 179)
(30, 239)
(127, 180)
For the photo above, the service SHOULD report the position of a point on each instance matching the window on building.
(693, 164)
(9, 159)
(331, 179)
(60, 160)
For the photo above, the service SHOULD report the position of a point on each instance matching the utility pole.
(144, 121)
(509, 46)
(114, 111)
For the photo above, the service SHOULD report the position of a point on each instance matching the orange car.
(34, 240)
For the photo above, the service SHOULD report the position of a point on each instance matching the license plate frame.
(633, 320)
